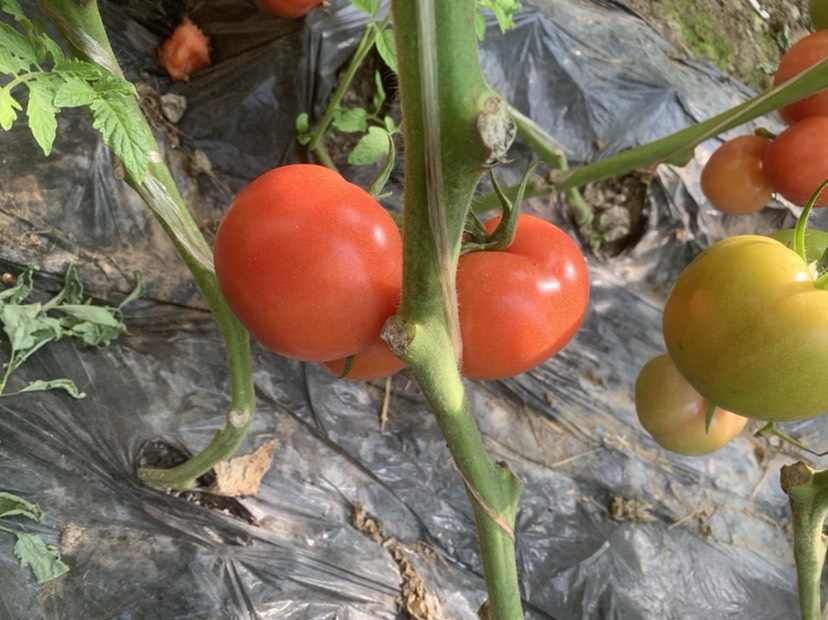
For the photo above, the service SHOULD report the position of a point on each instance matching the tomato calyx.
(478, 238)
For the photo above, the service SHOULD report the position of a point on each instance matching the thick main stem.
(443, 94)
(81, 26)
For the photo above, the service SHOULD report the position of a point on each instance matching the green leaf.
(386, 49)
(72, 292)
(12, 505)
(27, 327)
(136, 292)
(390, 125)
(114, 87)
(92, 325)
(8, 109)
(371, 147)
(44, 44)
(22, 287)
(78, 68)
(352, 120)
(12, 64)
(74, 92)
(42, 114)
(18, 44)
(40, 385)
(479, 26)
(12, 7)
(123, 132)
(366, 6)
(44, 560)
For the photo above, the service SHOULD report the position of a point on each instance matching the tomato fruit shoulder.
(521, 305)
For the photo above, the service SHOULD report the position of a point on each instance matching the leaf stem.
(81, 26)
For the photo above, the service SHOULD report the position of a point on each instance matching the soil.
(744, 38)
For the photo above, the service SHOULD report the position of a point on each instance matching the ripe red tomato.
(732, 178)
(748, 329)
(803, 54)
(375, 362)
(310, 263)
(674, 413)
(290, 9)
(520, 306)
(796, 162)
(186, 52)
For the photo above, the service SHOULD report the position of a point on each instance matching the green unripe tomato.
(818, 10)
(674, 413)
(747, 327)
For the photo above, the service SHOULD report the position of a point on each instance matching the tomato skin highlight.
(796, 162)
(673, 413)
(803, 54)
(310, 263)
(185, 52)
(520, 306)
(733, 180)
(748, 329)
(290, 9)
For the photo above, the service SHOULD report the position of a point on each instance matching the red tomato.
(186, 52)
(674, 413)
(796, 162)
(310, 263)
(520, 306)
(290, 9)
(732, 178)
(375, 362)
(803, 54)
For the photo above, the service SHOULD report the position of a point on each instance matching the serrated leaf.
(44, 560)
(11, 64)
(17, 44)
(92, 325)
(42, 114)
(72, 292)
(67, 385)
(8, 109)
(123, 132)
(13, 8)
(352, 120)
(78, 68)
(387, 49)
(74, 92)
(113, 86)
(45, 45)
(371, 147)
(366, 6)
(12, 505)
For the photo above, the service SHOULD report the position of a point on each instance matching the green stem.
(366, 43)
(552, 154)
(443, 95)
(81, 26)
(807, 490)
(678, 147)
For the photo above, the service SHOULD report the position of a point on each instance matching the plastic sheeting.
(609, 526)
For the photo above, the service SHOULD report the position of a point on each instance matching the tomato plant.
(290, 9)
(674, 413)
(805, 53)
(796, 162)
(747, 327)
(185, 52)
(732, 179)
(818, 10)
(310, 263)
(816, 242)
(520, 306)
(375, 362)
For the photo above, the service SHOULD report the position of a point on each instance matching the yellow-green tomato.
(674, 413)
(747, 327)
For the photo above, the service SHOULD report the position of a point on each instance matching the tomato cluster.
(312, 266)
(742, 174)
